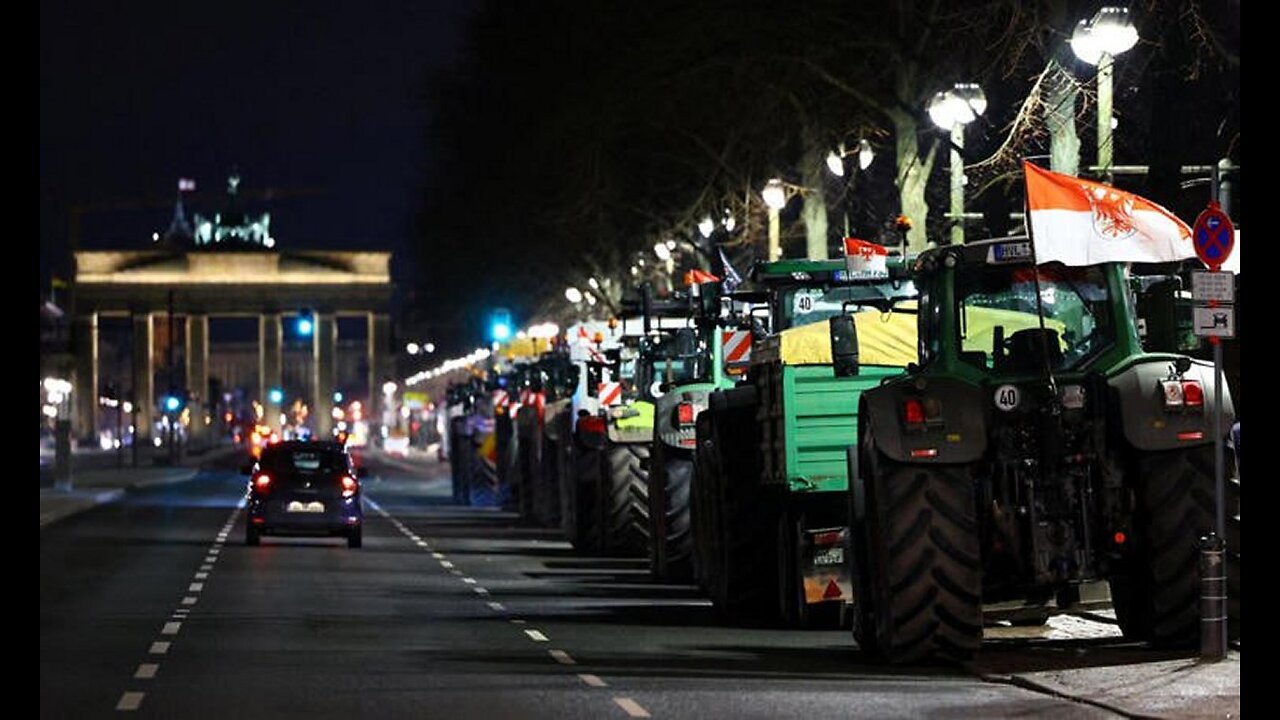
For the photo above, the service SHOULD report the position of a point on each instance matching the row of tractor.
(901, 444)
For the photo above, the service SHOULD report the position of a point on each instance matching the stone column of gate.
(379, 336)
(144, 391)
(324, 380)
(85, 389)
(198, 401)
(270, 368)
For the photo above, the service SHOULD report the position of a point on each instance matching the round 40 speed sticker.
(1007, 397)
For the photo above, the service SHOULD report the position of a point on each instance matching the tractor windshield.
(805, 305)
(676, 358)
(1000, 329)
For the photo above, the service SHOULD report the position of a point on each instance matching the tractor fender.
(957, 435)
(665, 428)
(554, 419)
(1148, 425)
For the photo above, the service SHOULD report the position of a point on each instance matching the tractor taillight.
(913, 412)
(1192, 393)
(262, 482)
(684, 413)
(592, 424)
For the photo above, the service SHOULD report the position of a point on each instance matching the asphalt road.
(152, 606)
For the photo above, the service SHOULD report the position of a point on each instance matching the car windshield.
(290, 460)
(1000, 327)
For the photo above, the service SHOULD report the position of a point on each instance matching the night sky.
(324, 106)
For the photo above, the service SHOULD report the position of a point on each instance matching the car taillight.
(262, 482)
(1192, 393)
(913, 412)
(256, 438)
(591, 424)
(684, 413)
(349, 486)
(275, 438)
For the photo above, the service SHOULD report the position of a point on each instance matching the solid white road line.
(632, 707)
(171, 628)
(130, 701)
(146, 671)
(537, 636)
(592, 680)
(159, 648)
(562, 657)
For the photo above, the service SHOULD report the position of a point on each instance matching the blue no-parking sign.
(1213, 236)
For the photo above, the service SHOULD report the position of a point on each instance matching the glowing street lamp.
(775, 197)
(661, 250)
(1097, 42)
(952, 110)
(573, 295)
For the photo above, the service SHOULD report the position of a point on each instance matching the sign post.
(1213, 293)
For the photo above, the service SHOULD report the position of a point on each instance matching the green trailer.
(770, 487)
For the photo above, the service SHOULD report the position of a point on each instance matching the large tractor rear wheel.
(584, 489)
(670, 482)
(1158, 600)
(704, 514)
(924, 572)
(626, 499)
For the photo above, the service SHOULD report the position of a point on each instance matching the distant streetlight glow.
(774, 194)
(706, 226)
(835, 164)
(595, 284)
(573, 295)
(389, 388)
(412, 348)
(662, 251)
(865, 154)
(1097, 42)
(430, 347)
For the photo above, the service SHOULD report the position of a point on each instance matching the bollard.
(1213, 598)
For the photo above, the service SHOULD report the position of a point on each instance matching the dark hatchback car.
(304, 488)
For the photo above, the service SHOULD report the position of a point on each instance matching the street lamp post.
(835, 163)
(951, 110)
(775, 197)
(1097, 42)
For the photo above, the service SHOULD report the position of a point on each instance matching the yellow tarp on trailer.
(883, 339)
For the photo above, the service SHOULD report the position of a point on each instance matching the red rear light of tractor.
(913, 412)
(1192, 393)
(684, 413)
(349, 486)
(262, 483)
(592, 424)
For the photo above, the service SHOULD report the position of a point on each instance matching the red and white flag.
(1081, 222)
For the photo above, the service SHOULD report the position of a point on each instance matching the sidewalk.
(93, 487)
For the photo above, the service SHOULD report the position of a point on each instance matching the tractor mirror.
(844, 345)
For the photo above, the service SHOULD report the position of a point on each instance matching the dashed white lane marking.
(469, 580)
(537, 636)
(517, 621)
(592, 680)
(206, 568)
(171, 628)
(214, 551)
(146, 671)
(202, 575)
(211, 559)
(456, 572)
(446, 564)
(497, 606)
(480, 591)
(130, 701)
(195, 587)
(562, 657)
(632, 707)
(188, 600)
(159, 648)
(420, 543)
(438, 556)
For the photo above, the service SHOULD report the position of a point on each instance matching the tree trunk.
(913, 175)
(815, 201)
(1060, 116)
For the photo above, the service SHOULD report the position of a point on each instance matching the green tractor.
(1034, 449)
(546, 381)
(770, 518)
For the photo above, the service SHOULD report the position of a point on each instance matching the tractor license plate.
(826, 572)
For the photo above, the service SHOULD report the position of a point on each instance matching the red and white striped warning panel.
(610, 393)
(500, 398)
(736, 347)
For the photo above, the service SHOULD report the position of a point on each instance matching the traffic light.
(173, 402)
(500, 325)
(306, 323)
(276, 396)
